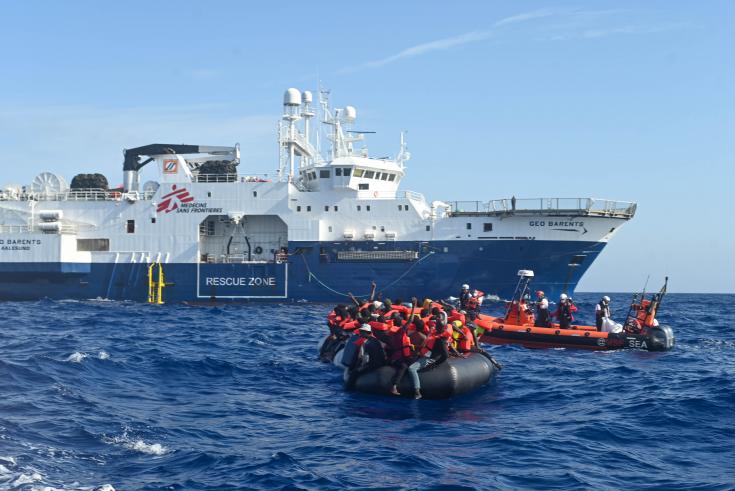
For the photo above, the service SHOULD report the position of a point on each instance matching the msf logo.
(172, 200)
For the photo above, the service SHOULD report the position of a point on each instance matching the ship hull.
(316, 272)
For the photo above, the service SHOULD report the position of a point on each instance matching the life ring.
(258, 250)
(375, 194)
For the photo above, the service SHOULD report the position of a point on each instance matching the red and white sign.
(172, 200)
(170, 166)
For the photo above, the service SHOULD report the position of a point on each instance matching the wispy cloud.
(569, 24)
(450, 42)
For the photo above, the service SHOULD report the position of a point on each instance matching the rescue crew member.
(542, 310)
(602, 310)
(464, 297)
(564, 311)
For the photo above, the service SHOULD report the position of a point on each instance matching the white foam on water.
(76, 357)
(137, 445)
(4, 471)
(7, 460)
(26, 479)
(104, 487)
(103, 355)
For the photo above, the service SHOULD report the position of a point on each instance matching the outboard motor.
(661, 338)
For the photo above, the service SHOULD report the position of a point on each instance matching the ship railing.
(80, 195)
(219, 178)
(236, 259)
(27, 229)
(545, 206)
(411, 195)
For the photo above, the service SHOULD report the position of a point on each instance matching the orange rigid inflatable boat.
(640, 331)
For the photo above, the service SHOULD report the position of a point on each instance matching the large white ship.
(327, 225)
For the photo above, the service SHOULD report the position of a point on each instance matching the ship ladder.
(156, 283)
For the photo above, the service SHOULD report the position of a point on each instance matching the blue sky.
(624, 100)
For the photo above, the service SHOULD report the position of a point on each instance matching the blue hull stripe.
(314, 273)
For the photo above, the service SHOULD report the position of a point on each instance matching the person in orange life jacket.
(564, 312)
(435, 352)
(418, 336)
(542, 310)
(403, 349)
(372, 355)
(602, 310)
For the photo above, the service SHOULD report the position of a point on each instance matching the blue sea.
(127, 396)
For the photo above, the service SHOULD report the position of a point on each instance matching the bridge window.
(384, 176)
(347, 171)
(469, 226)
(392, 177)
(130, 227)
(369, 174)
(487, 227)
(363, 187)
(338, 171)
(358, 172)
(324, 174)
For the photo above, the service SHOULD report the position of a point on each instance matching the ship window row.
(346, 171)
(369, 174)
(308, 208)
(359, 207)
(402, 207)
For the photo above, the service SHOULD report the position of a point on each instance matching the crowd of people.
(412, 337)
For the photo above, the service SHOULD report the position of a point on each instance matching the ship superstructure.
(328, 224)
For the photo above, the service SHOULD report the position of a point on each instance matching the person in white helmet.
(602, 310)
(564, 311)
(464, 297)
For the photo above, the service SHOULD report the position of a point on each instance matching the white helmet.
(563, 296)
(377, 304)
(606, 299)
(465, 287)
(366, 327)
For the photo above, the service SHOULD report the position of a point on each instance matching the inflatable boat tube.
(453, 377)
(659, 338)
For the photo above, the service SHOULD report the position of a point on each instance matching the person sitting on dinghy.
(371, 355)
(564, 311)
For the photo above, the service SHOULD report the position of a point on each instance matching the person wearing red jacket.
(565, 311)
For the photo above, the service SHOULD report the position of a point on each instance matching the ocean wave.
(234, 394)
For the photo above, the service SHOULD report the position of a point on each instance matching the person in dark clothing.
(372, 356)
(542, 310)
(564, 312)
